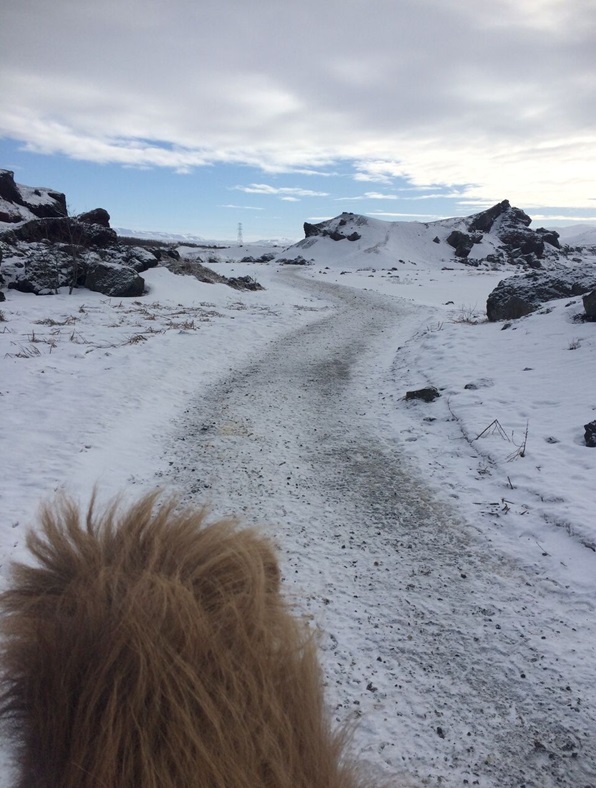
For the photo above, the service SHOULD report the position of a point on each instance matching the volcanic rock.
(520, 295)
(19, 203)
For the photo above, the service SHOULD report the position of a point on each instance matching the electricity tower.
(240, 241)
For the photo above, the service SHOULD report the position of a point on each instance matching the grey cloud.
(297, 86)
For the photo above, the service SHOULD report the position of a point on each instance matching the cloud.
(563, 218)
(242, 207)
(293, 192)
(372, 196)
(495, 99)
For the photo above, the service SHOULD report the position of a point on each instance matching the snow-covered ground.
(478, 667)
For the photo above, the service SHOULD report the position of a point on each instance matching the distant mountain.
(187, 238)
(499, 235)
(578, 234)
(155, 235)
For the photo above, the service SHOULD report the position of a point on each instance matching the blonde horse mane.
(148, 648)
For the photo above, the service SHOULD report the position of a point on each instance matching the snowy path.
(459, 667)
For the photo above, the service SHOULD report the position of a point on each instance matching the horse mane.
(149, 648)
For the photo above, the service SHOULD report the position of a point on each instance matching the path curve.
(459, 668)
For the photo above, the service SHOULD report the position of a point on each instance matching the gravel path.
(459, 668)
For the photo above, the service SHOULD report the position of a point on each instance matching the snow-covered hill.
(499, 235)
(352, 240)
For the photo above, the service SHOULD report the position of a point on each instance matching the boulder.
(427, 394)
(96, 216)
(141, 259)
(19, 203)
(590, 305)
(298, 260)
(111, 279)
(461, 242)
(244, 283)
(520, 295)
(590, 434)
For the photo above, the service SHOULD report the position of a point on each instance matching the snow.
(189, 238)
(381, 243)
(464, 644)
(578, 234)
(357, 241)
(36, 195)
(20, 212)
(31, 195)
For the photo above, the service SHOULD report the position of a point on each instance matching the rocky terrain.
(500, 235)
(42, 249)
(537, 267)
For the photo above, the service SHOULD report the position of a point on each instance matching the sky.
(186, 116)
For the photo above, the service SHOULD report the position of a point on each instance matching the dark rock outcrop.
(590, 434)
(264, 258)
(141, 259)
(50, 252)
(65, 230)
(512, 227)
(244, 283)
(461, 242)
(96, 216)
(19, 203)
(549, 236)
(336, 234)
(111, 279)
(42, 269)
(54, 250)
(520, 295)
(485, 221)
(427, 394)
(298, 260)
(311, 230)
(590, 305)
(521, 241)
